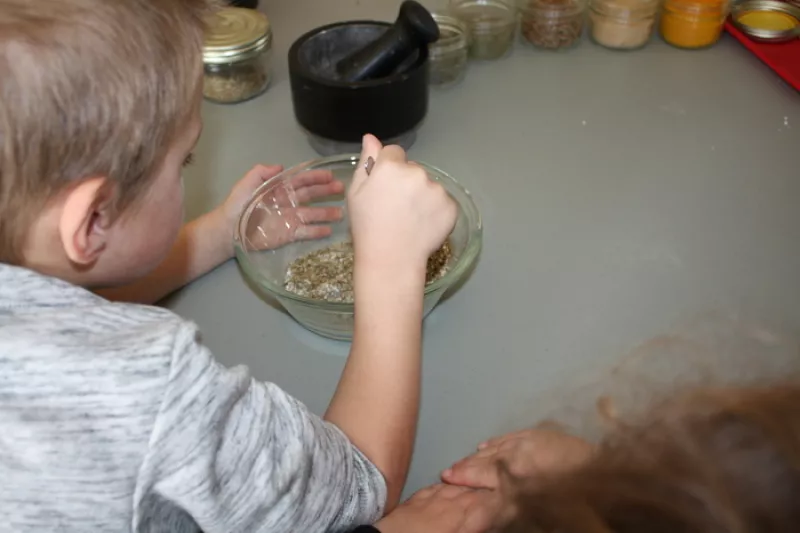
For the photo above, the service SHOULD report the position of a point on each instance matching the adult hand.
(541, 451)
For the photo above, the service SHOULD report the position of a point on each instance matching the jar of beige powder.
(622, 24)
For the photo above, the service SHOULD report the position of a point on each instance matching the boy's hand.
(307, 186)
(398, 216)
(544, 451)
(444, 509)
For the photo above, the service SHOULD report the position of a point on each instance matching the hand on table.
(526, 454)
(444, 509)
(305, 220)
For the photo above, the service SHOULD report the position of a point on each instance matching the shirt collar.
(25, 288)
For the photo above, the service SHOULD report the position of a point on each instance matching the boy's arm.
(398, 219)
(377, 401)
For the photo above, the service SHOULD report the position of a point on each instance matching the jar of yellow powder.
(693, 23)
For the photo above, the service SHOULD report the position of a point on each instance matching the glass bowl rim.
(464, 263)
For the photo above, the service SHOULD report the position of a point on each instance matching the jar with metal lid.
(491, 25)
(449, 55)
(693, 23)
(236, 55)
(552, 24)
(622, 24)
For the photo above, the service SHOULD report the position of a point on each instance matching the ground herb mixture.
(327, 274)
(235, 83)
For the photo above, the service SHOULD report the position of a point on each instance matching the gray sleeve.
(239, 455)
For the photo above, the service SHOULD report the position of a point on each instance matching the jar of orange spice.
(693, 23)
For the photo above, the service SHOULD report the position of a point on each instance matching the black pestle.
(413, 29)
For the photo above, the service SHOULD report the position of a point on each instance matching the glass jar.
(491, 25)
(622, 24)
(236, 55)
(449, 55)
(552, 24)
(693, 23)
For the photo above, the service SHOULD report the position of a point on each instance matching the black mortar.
(335, 113)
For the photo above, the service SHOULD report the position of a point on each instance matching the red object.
(783, 58)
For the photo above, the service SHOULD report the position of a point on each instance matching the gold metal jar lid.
(767, 20)
(235, 34)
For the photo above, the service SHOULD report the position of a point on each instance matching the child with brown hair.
(115, 417)
(711, 460)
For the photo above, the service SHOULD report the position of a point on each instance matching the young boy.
(114, 417)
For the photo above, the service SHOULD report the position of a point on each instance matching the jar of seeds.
(552, 24)
(622, 24)
(450, 54)
(491, 25)
(236, 55)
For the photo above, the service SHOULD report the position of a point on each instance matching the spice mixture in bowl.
(312, 279)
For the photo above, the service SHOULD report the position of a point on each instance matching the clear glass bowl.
(265, 243)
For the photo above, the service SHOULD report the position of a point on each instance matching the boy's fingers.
(370, 147)
(311, 215)
(311, 192)
(310, 233)
(311, 177)
(261, 173)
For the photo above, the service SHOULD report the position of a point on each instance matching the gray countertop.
(637, 206)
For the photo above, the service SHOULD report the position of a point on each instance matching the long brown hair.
(710, 461)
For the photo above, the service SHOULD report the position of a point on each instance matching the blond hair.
(90, 88)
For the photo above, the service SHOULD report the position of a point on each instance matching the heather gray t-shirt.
(114, 418)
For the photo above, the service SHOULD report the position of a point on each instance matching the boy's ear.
(85, 219)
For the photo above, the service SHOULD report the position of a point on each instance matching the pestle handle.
(413, 29)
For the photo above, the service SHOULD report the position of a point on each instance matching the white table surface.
(635, 204)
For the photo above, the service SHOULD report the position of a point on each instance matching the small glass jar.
(552, 24)
(693, 23)
(622, 24)
(450, 54)
(236, 55)
(491, 25)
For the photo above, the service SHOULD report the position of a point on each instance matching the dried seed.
(230, 84)
(327, 274)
